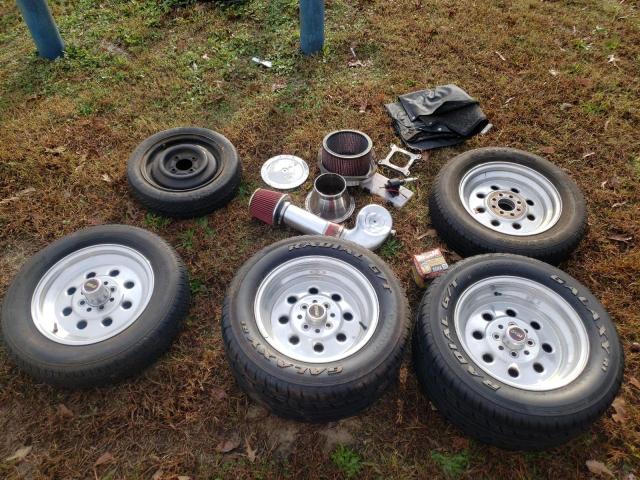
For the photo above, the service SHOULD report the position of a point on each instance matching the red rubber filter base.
(264, 203)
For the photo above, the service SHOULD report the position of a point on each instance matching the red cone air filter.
(347, 152)
(264, 204)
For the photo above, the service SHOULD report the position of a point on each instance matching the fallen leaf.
(55, 151)
(21, 193)
(228, 445)
(104, 458)
(634, 381)
(251, 453)
(620, 416)
(429, 233)
(205, 56)
(565, 106)
(598, 468)
(620, 238)
(157, 475)
(548, 150)
(106, 178)
(553, 72)
(618, 204)
(64, 411)
(19, 454)
(360, 63)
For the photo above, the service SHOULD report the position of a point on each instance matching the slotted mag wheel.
(316, 309)
(92, 294)
(510, 198)
(521, 333)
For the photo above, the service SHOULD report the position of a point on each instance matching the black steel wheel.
(184, 172)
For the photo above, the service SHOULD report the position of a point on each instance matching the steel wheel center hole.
(506, 204)
(184, 164)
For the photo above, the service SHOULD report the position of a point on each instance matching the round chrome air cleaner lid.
(285, 172)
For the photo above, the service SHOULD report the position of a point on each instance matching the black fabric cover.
(436, 118)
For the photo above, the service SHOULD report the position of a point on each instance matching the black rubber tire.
(306, 391)
(468, 237)
(118, 357)
(489, 410)
(195, 202)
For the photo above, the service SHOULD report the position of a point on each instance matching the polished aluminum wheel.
(521, 333)
(92, 294)
(510, 198)
(316, 309)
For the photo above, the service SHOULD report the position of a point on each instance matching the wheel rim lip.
(298, 275)
(531, 185)
(154, 156)
(566, 333)
(49, 294)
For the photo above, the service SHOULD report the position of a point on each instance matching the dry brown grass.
(64, 125)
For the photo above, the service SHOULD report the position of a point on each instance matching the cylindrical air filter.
(347, 152)
(264, 205)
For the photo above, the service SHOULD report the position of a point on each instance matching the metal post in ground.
(43, 28)
(311, 26)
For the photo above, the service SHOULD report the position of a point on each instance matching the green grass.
(156, 222)
(390, 248)
(453, 465)
(347, 461)
(187, 238)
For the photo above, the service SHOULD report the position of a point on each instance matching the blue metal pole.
(311, 26)
(43, 28)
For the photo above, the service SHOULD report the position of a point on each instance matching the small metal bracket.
(404, 170)
(377, 185)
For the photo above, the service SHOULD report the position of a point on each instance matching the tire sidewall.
(227, 170)
(573, 203)
(605, 357)
(25, 340)
(387, 338)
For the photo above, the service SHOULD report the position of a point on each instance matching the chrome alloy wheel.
(510, 198)
(521, 333)
(316, 309)
(92, 294)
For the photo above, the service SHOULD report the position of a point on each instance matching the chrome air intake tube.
(373, 222)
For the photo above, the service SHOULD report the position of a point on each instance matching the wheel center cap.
(515, 337)
(316, 314)
(95, 292)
